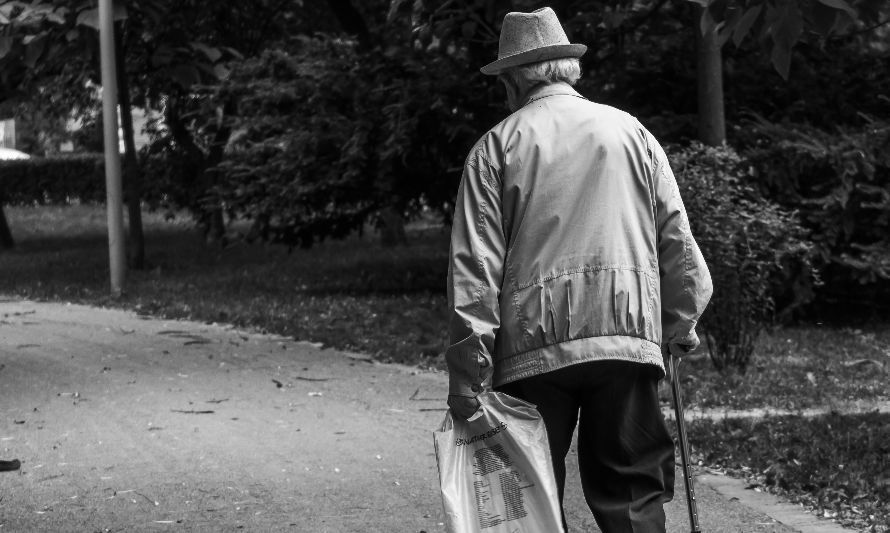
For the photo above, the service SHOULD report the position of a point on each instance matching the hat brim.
(545, 53)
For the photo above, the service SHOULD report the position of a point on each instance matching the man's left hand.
(463, 406)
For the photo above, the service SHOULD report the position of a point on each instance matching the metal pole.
(114, 195)
(691, 505)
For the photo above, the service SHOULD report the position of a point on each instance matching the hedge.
(53, 180)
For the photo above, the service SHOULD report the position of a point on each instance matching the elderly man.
(571, 265)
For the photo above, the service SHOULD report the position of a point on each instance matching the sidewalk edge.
(783, 512)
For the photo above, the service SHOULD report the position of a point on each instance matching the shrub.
(839, 183)
(53, 180)
(753, 247)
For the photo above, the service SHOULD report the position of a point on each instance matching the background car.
(11, 153)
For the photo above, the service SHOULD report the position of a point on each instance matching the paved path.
(131, 424)
(846, 408)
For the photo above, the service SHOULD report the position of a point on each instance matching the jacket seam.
(579, 270)
(566, 364)
(649, 297)
(480, 262)
(517, 309)
(486, 179)
(541, 97)
(485, 174)
(545, 346)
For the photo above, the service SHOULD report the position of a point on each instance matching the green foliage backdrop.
(53, 180)
(326, 137)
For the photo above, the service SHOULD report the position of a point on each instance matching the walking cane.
(684, 444)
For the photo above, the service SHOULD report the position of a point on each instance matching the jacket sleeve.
(475, 274)
(685, 280)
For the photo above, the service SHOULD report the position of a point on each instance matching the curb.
(768, 504)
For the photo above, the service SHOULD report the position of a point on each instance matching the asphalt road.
(131, 424)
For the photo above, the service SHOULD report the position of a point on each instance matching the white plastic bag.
(495, 470)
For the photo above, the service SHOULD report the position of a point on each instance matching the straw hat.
(529, 38)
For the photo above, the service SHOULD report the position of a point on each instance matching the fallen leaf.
(862, 362)
(8, 466)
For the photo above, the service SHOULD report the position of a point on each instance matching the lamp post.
(114, 189)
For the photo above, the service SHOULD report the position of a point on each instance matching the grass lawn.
(837, 466)
(796, 368)
(352, 294)
(390, 302)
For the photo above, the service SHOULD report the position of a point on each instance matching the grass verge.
(797, 368)
(837, 466)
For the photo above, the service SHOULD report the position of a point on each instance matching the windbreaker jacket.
(570, 243)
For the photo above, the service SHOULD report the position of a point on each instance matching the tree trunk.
(392, 228)
(6, 240)
(196, 165)
(216, 228)
(709, 74)
(132, 171)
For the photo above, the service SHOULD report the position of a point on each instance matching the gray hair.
(565, 69)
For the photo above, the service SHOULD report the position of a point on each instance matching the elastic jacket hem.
(563, 354)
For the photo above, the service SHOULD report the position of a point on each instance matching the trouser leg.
(625, 453)
(559, 409)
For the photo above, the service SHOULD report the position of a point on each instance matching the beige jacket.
(570, 243)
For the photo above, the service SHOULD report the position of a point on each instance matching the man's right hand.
(463, 406)
(676, 349)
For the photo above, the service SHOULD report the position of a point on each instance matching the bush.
(755, 250)
(53, 180)
(328, 138)
(839, 183)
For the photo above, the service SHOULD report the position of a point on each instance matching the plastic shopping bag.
(495, 469)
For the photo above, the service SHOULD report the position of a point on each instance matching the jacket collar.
(551, 89)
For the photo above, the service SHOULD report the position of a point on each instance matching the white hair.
(565, 69)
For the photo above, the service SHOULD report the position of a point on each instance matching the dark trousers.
(625, 453)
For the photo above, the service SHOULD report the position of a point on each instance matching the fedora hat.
(529, 38)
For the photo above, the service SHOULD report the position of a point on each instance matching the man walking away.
(571, 265)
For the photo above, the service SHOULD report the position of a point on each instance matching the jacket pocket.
(589, 301)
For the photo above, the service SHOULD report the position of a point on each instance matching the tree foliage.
(780, 25)
(314, 157)
(839, 182)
